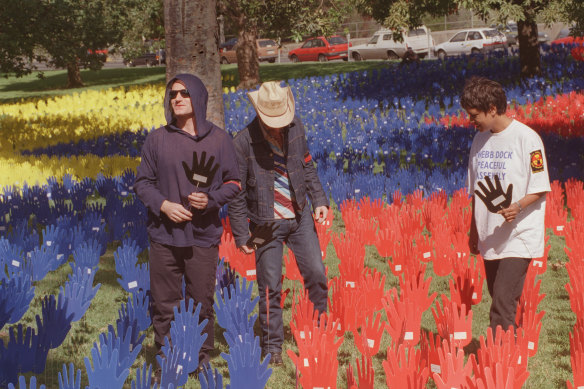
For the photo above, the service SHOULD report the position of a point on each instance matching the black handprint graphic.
(201, 172)
(261, 236)
(493, 196)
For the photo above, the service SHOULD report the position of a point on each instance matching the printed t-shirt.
(517, 156)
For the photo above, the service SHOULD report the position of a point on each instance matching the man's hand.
(320, 214)
(198, 200)
(175, 212)
(246, 250)
(510, 213)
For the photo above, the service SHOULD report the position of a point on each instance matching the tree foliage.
(278, 19)
(69, 33)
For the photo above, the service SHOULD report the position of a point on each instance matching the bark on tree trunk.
(247, 57)
(73, 75)
(529, 56)
(192, 47)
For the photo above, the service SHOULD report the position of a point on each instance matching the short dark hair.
(481, 93)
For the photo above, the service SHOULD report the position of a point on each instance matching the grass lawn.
(54, 81)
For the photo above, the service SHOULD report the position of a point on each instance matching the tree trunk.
(192, 47)
(73, 75)
(529, 56)
(247, 57)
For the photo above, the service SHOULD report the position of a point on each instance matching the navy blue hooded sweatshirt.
(161, 175)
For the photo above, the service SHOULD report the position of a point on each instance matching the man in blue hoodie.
(187, 173)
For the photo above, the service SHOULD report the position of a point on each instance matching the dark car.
(148, 59)
(321, 49)
(510, 31)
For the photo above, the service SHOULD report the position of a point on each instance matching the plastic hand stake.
(187, 335)
(245, 369)
(202, 171)
(137, 308)
(22, 347)
(210, 380)
(143, 378)
(55, 325)
(493, 196)
(22, 294)
(22, 383)
(70, 380)
(261, 235)
(225, 276)
(103, 374)
(127, 351)
(173, 372)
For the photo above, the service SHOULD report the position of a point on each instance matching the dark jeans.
(300, 236)
(168, 265)
(505, 278)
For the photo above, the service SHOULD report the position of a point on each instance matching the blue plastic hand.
(87, 254)
(143, 378)
(137, 308)
(22, 383)
(8, 366)
(23, 347)
(135, 277)
(10, 256)
(22, 295)
(53, 235)
(126, 255)
(72, 296)
(239, 328)
(123, 343)
(186, 335)
(41, 260)
(245, 369)
(210, 381)
(233, 309)
(55, 324)
(104, 374)
(173, 372)
(84, 276)
(70, 380)
(225, 277)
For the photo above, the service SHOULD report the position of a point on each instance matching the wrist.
(519, 206)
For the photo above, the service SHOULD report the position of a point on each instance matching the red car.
(321, 49)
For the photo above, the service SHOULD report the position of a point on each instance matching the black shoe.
(276, 359)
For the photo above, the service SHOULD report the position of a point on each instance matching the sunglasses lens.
(183, 92)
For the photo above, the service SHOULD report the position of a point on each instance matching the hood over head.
(199, 97)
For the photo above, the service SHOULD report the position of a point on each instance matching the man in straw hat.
(277, 172)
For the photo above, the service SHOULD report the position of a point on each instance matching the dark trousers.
(505, 278)
(168, 265)
(300, 236)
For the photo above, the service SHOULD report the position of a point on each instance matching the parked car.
(383, 46)
(510, 31)
(148, 59)
(267, 51)
(472, 41)
(321, 49)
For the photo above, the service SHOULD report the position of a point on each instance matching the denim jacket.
(256, 171)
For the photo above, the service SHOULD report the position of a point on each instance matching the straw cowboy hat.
(273, 104)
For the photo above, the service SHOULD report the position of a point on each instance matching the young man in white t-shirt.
(508, 177)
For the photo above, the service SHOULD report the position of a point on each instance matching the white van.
(383, 46)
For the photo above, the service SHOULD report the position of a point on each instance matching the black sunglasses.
(183, 92)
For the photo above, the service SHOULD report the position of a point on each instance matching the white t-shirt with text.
(517, 156)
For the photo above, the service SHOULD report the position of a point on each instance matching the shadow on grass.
(54, 81)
